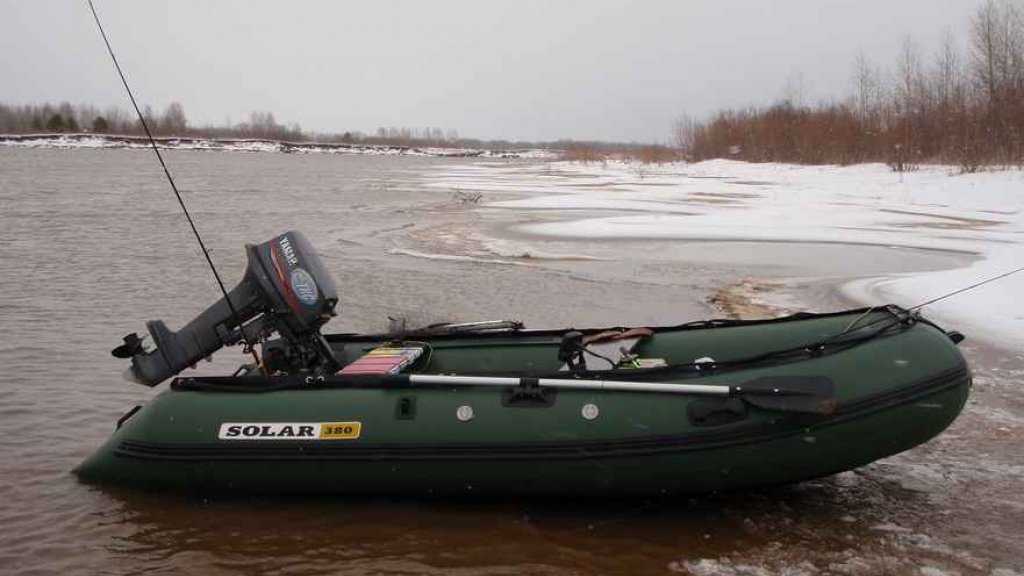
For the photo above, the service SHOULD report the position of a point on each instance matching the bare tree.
(174, 122)
(997, 63)
(910, 85)
(684, 133)
(867, 86)
(795, 90)
(947, 77)
(986, 55)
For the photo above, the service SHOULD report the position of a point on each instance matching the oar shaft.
(704, 389)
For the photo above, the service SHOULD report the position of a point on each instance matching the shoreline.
(741, 300)
(765, 298)
(976, 218)
(974, 465)
(124, 141)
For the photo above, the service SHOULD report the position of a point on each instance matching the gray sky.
(514, 69)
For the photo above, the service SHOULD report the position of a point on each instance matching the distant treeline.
(84, 118)
(951, 107)
(594, 151)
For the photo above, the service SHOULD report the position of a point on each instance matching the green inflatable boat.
(493, 408)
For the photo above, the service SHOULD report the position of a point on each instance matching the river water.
(92, 244)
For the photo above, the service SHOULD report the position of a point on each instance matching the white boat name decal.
(289, 430)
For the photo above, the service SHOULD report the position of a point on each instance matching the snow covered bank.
(250, 145)
(933, 208)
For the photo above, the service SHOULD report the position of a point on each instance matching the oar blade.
(805, 394)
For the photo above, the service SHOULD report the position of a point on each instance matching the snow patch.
(934, 208)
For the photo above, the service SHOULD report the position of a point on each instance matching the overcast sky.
(508, 69)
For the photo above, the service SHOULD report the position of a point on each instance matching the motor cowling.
(286, 289)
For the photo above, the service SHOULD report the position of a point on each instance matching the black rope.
(191, 223)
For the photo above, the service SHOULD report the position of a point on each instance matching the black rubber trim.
(559, 332)
(625, 447)
(124, 418)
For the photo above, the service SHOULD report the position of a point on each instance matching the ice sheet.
(934, 207)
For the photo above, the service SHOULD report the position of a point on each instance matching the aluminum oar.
(810, 394)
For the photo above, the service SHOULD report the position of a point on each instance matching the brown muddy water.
(92, 245)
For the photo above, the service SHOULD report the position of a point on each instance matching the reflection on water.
(487, 536)
(92, 245)
(847, 520)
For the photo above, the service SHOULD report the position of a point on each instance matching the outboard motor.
(286, 289)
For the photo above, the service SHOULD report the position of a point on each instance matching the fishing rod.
(849, 328)
(966, 288)
(195, 231)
